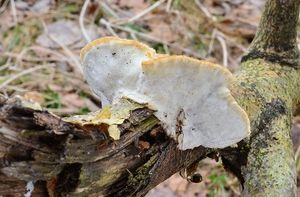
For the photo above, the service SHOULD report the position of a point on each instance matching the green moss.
(159, 48)
(201, 48)
(217, 185)
(53, 99)
(147, 124)
(141, 175)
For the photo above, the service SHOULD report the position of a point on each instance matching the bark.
(275, 39)
(269, 93)
(66, 159)
(82, 160)
(267, 87)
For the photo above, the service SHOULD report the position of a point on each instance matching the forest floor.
(40, 41)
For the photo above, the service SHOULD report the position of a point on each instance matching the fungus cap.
(193, 101)
(113, 65)
(191, 97)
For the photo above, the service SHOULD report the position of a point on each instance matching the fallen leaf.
(135, 6)
(65, 32)
(161, 28)
(34, 96)
(236, 28)
(51, 187)
(72, 100)
(41, 6)
(156, 131)
(144, 145)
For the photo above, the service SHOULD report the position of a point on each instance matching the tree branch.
(275, 39)
(265, 162)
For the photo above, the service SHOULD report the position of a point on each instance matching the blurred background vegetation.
(40, 41)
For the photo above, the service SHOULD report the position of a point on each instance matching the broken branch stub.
(191, 97)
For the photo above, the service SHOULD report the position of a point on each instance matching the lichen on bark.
(269, 93)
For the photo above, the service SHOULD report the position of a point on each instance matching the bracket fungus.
(191, 97)
(115, 64)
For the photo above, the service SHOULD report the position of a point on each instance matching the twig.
(146, 11)
(3, 7)
(21, 55)
(106, 23)
(81, 21)
(16, 88)
(46, 50)
(5, 66)
(14, 11)
(133, 36)
(224, 49)
(108, 9)
(211, 43)
(152, 39)
(203, 9)
(218, 36)
(24, 72)
(30, 59)
(77, 67)
(234, 42)
(168, 7)
(108, 27)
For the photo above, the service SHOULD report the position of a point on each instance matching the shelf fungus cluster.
(190, 97)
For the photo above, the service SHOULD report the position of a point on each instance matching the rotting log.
(64, 159)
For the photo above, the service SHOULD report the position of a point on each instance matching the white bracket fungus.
(112, 65)
(191, 97)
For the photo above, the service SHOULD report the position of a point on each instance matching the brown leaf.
(72, 100)
(135, 6)
(51, 187)
(144, 145)
(236, 28)
(34, 97)
(65, 32)
(161, 28)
